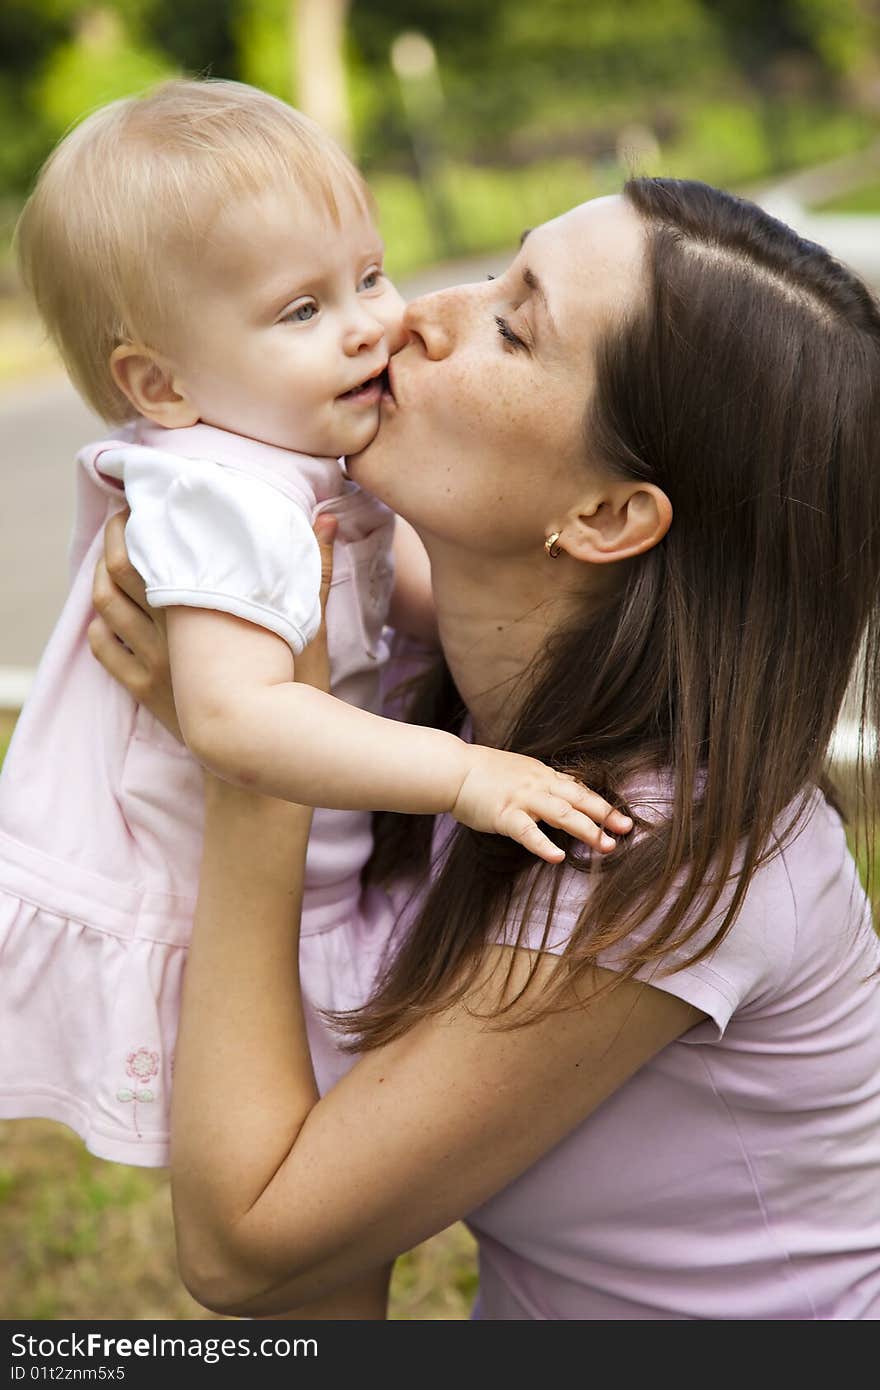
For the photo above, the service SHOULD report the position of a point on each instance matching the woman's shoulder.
(803, 912)
(830, 907)
(806, 866)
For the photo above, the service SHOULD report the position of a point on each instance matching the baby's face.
(288, 325)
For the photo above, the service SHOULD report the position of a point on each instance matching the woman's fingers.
(130, 645)
(325, 533)
(118, 565)
(312, 666)
(124, 617)
(116, 659)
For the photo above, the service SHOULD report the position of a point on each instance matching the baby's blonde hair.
(135, 186)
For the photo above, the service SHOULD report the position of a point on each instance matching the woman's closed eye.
(509, 336)
(302, 312)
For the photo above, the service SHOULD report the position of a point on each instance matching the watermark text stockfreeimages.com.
(98, 1346)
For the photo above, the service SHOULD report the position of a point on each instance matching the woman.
(651, 1085)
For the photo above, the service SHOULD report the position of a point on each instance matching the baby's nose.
(362, 331)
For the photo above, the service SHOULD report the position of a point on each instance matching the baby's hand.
(508, 794)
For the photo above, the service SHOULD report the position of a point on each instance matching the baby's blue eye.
(371, 279)
(301, 313)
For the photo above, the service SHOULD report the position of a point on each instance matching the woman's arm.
(290, 1196)
(128, 637)
(280, 1196)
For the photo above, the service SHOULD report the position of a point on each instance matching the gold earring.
(551, 544)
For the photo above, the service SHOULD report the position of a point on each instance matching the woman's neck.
(495, 615)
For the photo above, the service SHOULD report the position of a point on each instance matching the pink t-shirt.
(737, 1174)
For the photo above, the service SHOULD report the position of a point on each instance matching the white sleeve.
(203, 535)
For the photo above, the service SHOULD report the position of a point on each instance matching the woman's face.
(483, 444)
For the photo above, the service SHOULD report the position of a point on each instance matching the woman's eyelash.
(508, 334)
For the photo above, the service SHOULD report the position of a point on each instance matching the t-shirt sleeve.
(203, 535)
(748, 965)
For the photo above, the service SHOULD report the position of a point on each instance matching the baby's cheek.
(390, 316)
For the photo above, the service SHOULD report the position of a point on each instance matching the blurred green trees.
(730, 90)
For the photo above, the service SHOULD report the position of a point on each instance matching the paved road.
(42, 424)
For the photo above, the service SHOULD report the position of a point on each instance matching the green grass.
(487, 208)
(723, 142)
(7, 724)
(82, 1239)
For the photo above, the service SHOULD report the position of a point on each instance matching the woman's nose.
(436, 318)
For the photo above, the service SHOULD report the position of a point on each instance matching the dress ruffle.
(88, 1020)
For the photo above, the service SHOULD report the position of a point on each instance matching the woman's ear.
(629, 518)
(151, 386)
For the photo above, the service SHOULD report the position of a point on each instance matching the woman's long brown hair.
(745, 384)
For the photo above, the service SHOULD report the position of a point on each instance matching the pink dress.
(736, 1176)
(101, 809)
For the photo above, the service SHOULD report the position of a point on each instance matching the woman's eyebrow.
(531, 279)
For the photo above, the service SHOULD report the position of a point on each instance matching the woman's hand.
(312, 666)
(128, 636)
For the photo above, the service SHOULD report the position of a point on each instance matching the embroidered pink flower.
(142, 1064)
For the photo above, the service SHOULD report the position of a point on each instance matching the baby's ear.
(148, 382)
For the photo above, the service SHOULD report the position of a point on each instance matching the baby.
(207, 262)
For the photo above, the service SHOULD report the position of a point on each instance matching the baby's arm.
(412, 601)
(243, 717)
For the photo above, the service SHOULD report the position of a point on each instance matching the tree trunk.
(318, 27)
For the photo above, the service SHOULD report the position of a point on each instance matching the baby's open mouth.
(375, 385)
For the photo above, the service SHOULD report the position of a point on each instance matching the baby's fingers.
(591, 804)
(520, 826)
(559, 812)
